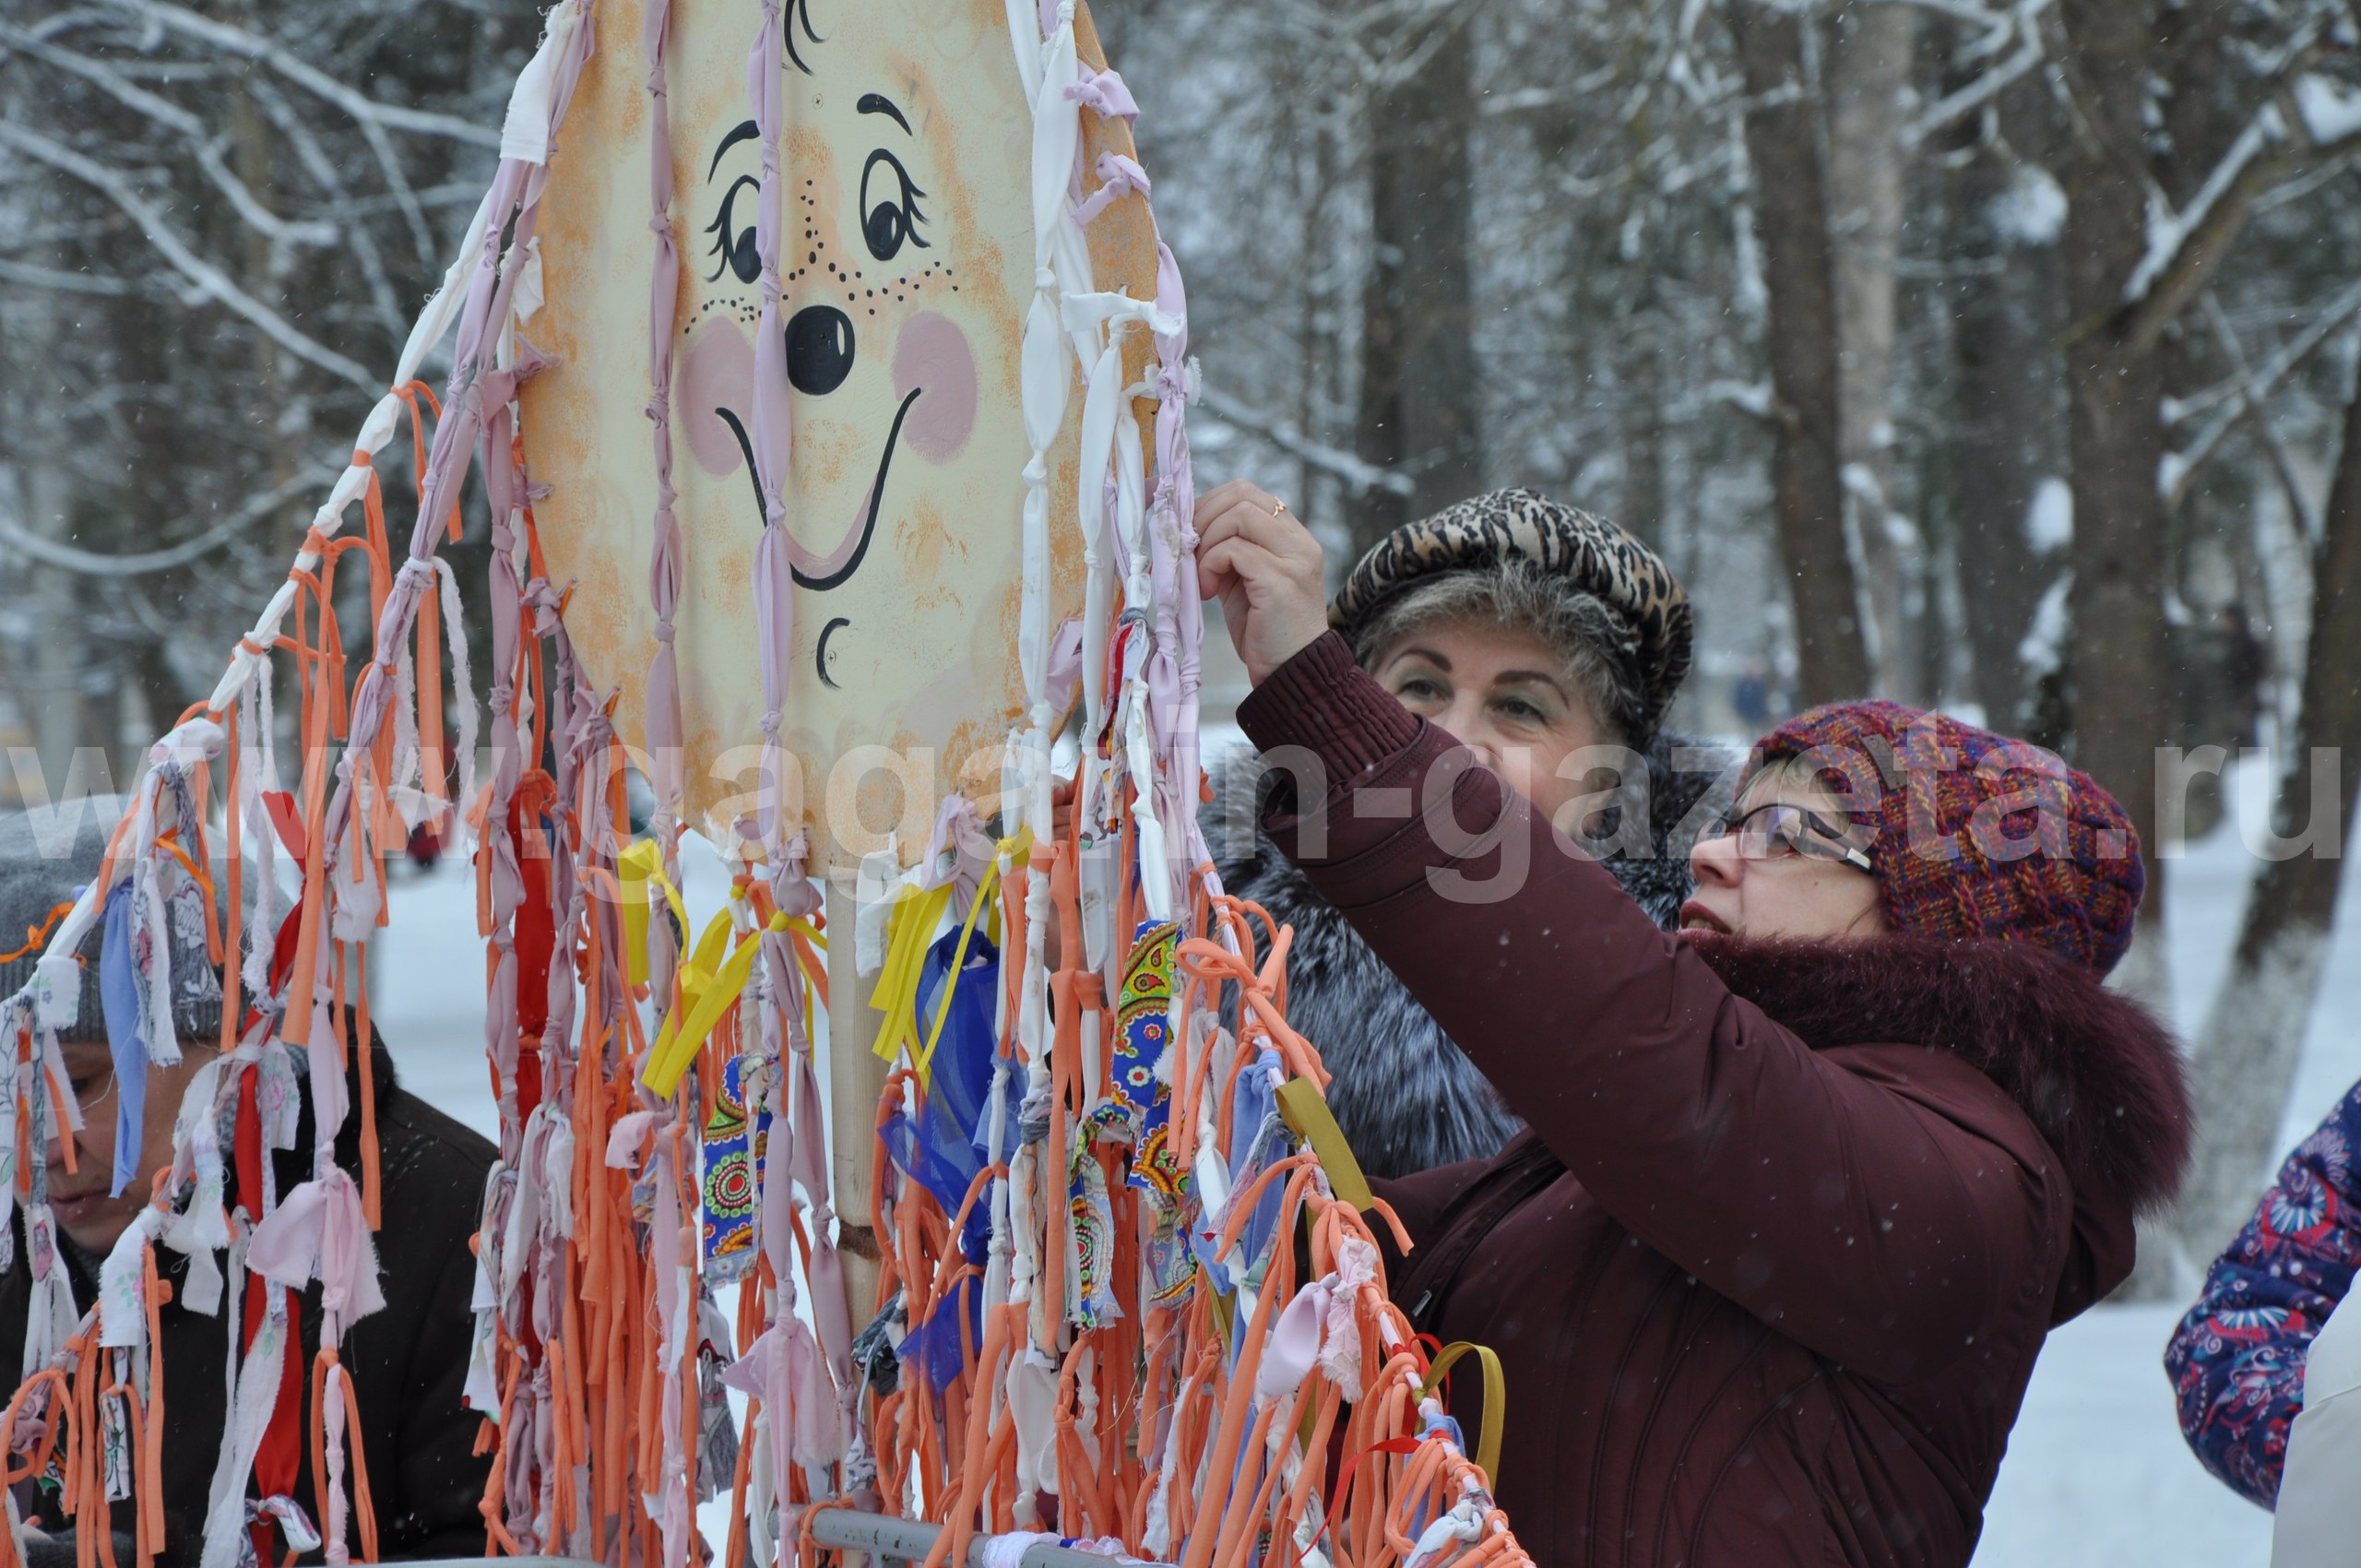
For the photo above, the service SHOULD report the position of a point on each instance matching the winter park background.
(1997, 355)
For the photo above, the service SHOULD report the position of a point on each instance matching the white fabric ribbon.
(1008, 1551)
(1032, 1405)
(123, 1283)
(525, 134)
(50, 1317)
(257, 1395)
(1463, 1525)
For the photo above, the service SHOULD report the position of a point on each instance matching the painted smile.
(833, 570)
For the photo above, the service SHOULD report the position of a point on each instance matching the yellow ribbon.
(635, 869)
(911, 925)
(1496, 1393)
(1307, 1116)
(913, 921)
(707, 987)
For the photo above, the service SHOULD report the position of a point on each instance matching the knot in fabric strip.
(1119, 176)
(1104, 93)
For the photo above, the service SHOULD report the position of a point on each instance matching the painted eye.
(895, 216)
(733, 244)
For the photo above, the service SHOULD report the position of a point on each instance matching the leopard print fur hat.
(1598, 557)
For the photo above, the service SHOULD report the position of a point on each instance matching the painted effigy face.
(906, 262)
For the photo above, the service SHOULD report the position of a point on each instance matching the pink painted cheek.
(717, 372)
(932, 357)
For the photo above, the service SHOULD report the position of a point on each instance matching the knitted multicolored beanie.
(1973, 834)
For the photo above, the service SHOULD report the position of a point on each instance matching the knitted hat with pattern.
(47, 856)
(1580, 549)
(1972, 834)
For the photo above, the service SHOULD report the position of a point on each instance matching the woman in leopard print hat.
(1549, 641)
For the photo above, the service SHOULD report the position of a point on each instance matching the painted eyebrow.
(1539, 677)
(1430, 655)
(878, 103)
(745, 131)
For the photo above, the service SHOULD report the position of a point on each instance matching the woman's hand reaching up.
(1263, 563)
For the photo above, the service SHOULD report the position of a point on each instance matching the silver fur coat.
(1406, 1098)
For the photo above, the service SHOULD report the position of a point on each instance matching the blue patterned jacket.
(2237, 1361)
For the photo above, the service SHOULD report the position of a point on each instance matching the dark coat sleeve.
(411, 1361)
(1880, 1205)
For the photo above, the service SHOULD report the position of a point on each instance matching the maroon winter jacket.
(1770, 1269)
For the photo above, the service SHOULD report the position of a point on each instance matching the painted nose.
(819, 350)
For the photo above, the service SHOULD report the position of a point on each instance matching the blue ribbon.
(119, 999)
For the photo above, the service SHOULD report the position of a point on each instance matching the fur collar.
(1406, 1096)
(2101, 1078)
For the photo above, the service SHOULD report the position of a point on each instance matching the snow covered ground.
(2097, 1470)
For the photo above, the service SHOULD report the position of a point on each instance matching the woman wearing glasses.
(1550, 642)
(1803, 1186)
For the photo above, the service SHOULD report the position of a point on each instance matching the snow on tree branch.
(2331, 110)
(367, 111)
(2169, 233)
(1358, 476)
(202, 140)
(2247, 393)
(2031, 50)
(204, 274)
(92, 563)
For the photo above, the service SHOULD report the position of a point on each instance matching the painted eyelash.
(906, 210)
(722, 228)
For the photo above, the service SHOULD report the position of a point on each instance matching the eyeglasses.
(1776, 829)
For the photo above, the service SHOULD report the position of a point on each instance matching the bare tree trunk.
(2254, 1034)
(1420, 402)
(2004, 346)
(48, 684)
(1783, 145)
(1867, 71)
(2120, 662)
(1641, 506)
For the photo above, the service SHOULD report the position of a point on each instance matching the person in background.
(2238, 1361)
(408, 1361)
(1751, 698)
(1804, 1187)
(1531, 632)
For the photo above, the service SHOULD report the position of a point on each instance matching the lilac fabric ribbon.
(664, 717)
(1118, 177)
(782, 1368)
(319, 1231)
(1175, 671)
(1104, 93)
(773, 575)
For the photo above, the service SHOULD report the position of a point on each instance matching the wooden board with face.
(906, 267)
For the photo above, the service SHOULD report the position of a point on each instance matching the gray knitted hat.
(47, 856)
